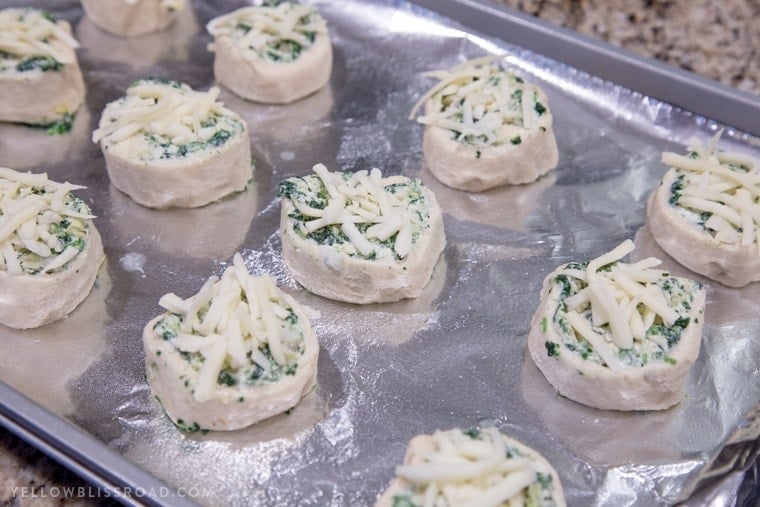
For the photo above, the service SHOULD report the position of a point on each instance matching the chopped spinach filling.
(27, 62)
(403, 501)
(671, 334)
(58, 127)
(310, 191)
(169, 150)
(220, 137)
(292, 318)
(282, 50)
(70, 232)
(676, 188)
(696, 214)
(193, 427)
(216, 131)
(167, 328)
(679, 295)
(275, 371)
(43, 63)
(157, 80)
(552, 349)
(494, 136)
(516, 97)
(47, 15)
(703, 218)
(226, 378)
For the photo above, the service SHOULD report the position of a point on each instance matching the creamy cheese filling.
(167, 119)
(31, 39)
(474, 467)
(719, 191)
(43, 227)
(237, 330)
(483, 105)
(360, 214)
(615, 314)
(278, 33)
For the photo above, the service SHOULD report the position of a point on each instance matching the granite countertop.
(719, 39)
(714, 38)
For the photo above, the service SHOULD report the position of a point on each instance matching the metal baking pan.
(453, 357)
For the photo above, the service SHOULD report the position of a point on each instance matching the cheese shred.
(276, 33)
(168, 109)
(234, 321)
(477, 467)
(616, 306)
(43, 226)
(362, 198)
(483, 105)
(33, 33)
(721, 189)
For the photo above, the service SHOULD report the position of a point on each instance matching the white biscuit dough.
(486, 127)
(617, 336)
(359, 237)
(237, 352)
(131, 18)
(480, 466)
(40, 79)
(166, 145)
(272, 54)
(50, 251)
(706, 213)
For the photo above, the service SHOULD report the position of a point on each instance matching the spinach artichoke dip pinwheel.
(476, 467)
(272, 54)
(617, 336)
(167, 145)
(50, 251)
(359, 237)
(40, 79)
(237, 352)
(130, 18)
(485, 127)
(706, 213)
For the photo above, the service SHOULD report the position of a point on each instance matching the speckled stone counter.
(28, 478)
(718, 39)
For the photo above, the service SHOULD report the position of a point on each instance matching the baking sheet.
(453, 357)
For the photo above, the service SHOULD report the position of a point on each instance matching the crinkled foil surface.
(456, 356)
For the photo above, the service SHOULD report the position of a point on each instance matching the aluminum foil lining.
(455, 356)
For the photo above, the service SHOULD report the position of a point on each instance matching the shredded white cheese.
(35, 214)
(261, 30)
(462, 470)
(724, 186)
(168, 109)
(230, 319)
(28, 32)
(625, 297)
(362, 198)
(483, 104)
